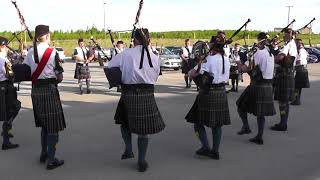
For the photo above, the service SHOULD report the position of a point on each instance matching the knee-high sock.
(202, 135)
(298, 94)
(261, 121)
(80, 84)
(44, 141)
(233, 81)
(237, 83)
(126, 136)
(284, 113)
(142, 147)
(5, 130)
(244, 117)
(216, 138)
(52, 143)
(186, 79)
(88, 83)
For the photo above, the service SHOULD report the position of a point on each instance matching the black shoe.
(244, 131)
(56, 163)
(295, 103)
(127, 155)
(278, 127)
(142, 166)
(9, 134)
(203, 152)
(43, 158)
(9, 146)
(214, 155)
(88, 91)
(257, 140)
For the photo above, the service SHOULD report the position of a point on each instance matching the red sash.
(41, 65)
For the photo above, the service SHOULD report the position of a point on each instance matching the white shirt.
(214, 67)
(3, 60)
(185, 52)
(235, 57)
(301, 58)
(129, 61)
(226, 49)
(265, 62)
(48, 71)
(78, 52)
(290, 49)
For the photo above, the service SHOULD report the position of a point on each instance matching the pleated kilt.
(234, 72)
(137, 110)
(210, 108)
(82, 71)
(9, 104)
(301, 77)
(47, 108)
(257, 99)
(284, 85)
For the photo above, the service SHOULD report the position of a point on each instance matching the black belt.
(218, 85)
(45, 82)
(79, 64)
(264, 81)
(135, 87)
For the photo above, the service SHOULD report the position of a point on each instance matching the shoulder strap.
(41, 65)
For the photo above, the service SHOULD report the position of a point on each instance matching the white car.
(101, 54)
(168, 60)
(61, 54)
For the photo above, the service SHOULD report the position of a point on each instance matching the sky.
(160, 15)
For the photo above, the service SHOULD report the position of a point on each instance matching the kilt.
(9, 104)
(47, 108)
(137, 110)
(234, 72)
(301, 77)
(284, 85)
(210, 108)
(82, 71)
(257, 99)
(186, 66)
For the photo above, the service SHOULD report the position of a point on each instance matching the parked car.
(168, 60)
(314, 54)
(102, 53)
(61, 54)
(175, 49)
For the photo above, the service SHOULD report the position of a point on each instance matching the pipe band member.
(187, 62)
(284, 80)
(47, 108)
(257, 98)
(137, 111)
(9, 104)
(83, 57)
(211, 105)
(301, 72)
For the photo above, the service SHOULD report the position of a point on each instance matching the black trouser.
(245, 124)
(235, 83)
(48, 144)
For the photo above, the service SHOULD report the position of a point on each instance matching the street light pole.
(289, 8)
(104, 23)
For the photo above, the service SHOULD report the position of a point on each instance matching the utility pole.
(289, 8)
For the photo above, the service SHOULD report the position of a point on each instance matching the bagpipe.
(114, 74)
(305, 26)
(21, 72)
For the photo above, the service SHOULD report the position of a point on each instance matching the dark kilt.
(234, 72)
(138, 111)
(82, 71)
(257, 99)
(47, 108)
(186, 66)
(9, 104)
(284, 85)
(210, 108)
(301, 78)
